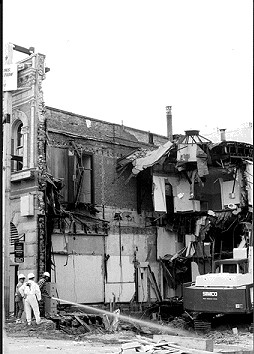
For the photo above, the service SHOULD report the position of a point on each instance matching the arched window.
(17, 147)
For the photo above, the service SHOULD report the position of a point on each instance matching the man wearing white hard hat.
(18, 298)
(42, 285)
(30, 291)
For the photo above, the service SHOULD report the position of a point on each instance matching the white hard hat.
(21, 276)
(31, 275)
(46, 274)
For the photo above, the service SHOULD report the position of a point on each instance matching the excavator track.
(202, 326)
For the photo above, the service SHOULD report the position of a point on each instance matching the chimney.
(222, 135)
(169, 123)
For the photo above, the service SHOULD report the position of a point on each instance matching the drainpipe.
(222, 135)
(169, 123)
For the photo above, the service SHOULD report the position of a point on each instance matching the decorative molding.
(40, 65)
(41, 131)
(18, 176)
(25, 130)
(41, 244)
(19, 115)
(22, 100)
(41, 203)
(27, 80)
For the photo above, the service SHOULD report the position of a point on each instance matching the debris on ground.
(227, 337)
(161, 346)
(178, 336)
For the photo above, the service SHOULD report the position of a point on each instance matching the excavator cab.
(237, 266)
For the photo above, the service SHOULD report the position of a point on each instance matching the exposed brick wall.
(110, 189)
(107, 142)
(114, 192)
(143, 136)
(97, 129)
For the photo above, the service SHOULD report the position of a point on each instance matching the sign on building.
(10, 77)
(19, 252)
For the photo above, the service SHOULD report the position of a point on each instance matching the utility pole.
(7, 113)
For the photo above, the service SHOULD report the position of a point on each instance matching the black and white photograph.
(127, 176)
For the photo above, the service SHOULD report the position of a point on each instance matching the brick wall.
(97, 129)
(107, 142)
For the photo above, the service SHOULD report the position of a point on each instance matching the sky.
(124, 61)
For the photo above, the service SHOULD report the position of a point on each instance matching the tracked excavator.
(227, 290)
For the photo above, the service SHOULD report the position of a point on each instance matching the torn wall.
(96, 226)
(207, 187)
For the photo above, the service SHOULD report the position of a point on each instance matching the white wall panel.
(117, 273)
(123, 292)
(127, 244)
(226, 192)
(140, 246)
(79, 278)
(59, 242)
(181, 200)
(166, 242)
(112, 244)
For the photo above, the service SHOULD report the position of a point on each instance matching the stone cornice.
(21, 175)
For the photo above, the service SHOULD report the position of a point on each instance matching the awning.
(14, 235)
(151, 158)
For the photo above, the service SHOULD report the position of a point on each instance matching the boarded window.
(59, 168)
(75, 173)
(83, 183)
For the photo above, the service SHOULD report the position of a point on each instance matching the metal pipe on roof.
(222, 134)
(169, 123)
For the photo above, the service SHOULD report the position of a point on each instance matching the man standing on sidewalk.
(30, 291)
(42, 285)
(18, 298)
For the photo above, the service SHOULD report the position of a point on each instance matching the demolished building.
(119, 214)
(139, 219)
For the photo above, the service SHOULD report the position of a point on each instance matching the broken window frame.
(69, 173)
(79, 173)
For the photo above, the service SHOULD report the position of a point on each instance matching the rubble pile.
(227, 336)
(80, 322)
(161, 346)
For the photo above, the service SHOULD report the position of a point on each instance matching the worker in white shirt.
(30, 291)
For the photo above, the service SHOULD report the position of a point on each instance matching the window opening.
(17, 148)
(83, 185)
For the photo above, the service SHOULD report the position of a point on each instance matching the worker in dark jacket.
(19, 302)
(42, 285)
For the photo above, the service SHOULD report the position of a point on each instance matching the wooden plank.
(129, 351)
(172, 346)
(184, 349)
(154, 283)
(237, 352)
(130, 345)
(190, 342)
(168, 276)
(87, 327)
